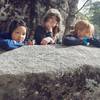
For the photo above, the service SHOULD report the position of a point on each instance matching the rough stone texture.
(51, 58)
(50, 73)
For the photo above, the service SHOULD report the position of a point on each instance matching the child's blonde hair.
(92, 29)
(82, 25)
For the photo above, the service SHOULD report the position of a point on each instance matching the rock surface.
(50, 73)
(50, 58)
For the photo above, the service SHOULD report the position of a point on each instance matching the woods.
(91, 12)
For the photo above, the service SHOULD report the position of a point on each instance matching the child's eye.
(23, 34)
(17, 32)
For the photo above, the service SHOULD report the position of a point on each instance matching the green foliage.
(95, 11)
(92, 12)
(81, 16)
(95, 18)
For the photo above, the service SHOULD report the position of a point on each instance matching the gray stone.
(50, 73)
(47, 59)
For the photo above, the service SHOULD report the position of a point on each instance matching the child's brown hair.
(53, 16)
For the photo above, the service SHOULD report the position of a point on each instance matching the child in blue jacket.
(83, 34)
(15, 37)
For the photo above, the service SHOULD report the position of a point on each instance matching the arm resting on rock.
(71, 41)
(9, 44)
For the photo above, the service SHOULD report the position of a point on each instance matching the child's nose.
(20, 36)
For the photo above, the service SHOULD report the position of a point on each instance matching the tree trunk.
(73, 4)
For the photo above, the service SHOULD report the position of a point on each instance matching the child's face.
(51, 23)
(84, 33)
(19, 34)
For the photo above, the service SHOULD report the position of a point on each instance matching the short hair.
(14, 24)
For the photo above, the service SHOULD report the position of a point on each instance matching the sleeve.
(95, 42)
(8, 44)
(71, 41)
(5, 35)
(38, 35)
(48, 34)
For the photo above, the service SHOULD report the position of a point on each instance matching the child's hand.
(44, 42)
(47, 40)
(31, 42)
(49, 28)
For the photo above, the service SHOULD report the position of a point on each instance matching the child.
(47, 32)
(15, 37)
(82, 35)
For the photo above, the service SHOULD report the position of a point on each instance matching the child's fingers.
(44, 42)
(31, 42)
(47, 40)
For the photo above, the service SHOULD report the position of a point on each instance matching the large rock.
(47, 58)
(50, 73)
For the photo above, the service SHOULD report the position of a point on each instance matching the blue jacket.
(7, 43)
(72, 40)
